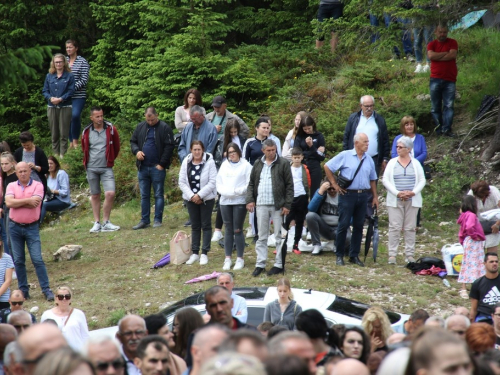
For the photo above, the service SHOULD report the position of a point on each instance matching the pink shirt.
(25, 215)
(470, 227)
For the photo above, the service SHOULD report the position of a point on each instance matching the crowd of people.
(290, 341)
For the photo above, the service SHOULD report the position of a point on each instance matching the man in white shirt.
(239, 310)
(131, 329)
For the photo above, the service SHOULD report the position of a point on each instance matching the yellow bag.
(180, 247)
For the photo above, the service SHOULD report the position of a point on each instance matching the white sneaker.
(419, 68)
(96, 228)
(217, 236)
(227, 264)
(316, 250)
(193, 258)
(203, 260)
(308, 237)
(304, 231)
(108, 227)
(14, 275)
(240, 263)
(426, 68)
(249, 233)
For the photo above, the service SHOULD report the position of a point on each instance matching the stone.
(67, 252)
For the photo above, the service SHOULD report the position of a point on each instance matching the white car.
(335, 309)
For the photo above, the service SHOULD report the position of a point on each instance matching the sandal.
(463, 293)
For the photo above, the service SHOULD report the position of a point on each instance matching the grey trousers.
(60, 123)
(263, 215)
(403, 217)
(319, 228)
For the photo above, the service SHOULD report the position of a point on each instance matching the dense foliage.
(258, 53)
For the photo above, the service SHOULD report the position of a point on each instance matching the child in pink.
(471, 237)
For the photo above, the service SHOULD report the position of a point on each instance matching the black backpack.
(425, 263)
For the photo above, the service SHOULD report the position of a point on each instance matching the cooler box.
(452, 257)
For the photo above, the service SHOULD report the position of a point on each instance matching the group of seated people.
(220, 342)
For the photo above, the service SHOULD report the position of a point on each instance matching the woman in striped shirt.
(404, 179)
(80, 69)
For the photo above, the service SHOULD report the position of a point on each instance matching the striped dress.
(80, 70)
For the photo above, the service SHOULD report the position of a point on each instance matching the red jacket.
(112, 147)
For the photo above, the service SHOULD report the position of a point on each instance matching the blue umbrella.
(375, 235)
(162, 262)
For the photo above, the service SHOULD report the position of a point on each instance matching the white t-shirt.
(298, 185)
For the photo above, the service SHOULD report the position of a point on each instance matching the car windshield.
(356, 309)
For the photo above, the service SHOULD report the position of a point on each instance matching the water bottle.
(446, 283)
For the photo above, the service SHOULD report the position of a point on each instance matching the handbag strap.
(357, 170)
(69, 316)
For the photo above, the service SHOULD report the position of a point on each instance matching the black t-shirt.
(487, 293)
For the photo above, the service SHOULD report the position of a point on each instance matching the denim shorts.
(330, 11)
(96, 176)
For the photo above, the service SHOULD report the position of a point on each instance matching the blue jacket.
(207, 134)
(419, 148)
(63, 88)
(316, 202)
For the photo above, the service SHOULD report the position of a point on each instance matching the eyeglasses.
(131, 333)
(23, 326)
(369, 106)
(60, 297)
(117, 364)
(398, 147)
(16, 303)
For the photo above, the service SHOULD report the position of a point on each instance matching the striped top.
(80, 70)
(5, 262)
(404, 178)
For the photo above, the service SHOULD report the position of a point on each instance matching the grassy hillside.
(113, 276)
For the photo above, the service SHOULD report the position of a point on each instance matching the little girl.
(471, 237)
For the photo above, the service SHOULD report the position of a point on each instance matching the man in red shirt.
(443, 54)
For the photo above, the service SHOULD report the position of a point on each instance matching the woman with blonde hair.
(377, 325)
(284, 310)
(58, 90)
(72, 322)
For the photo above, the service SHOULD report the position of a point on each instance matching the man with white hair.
(367, 121)
(457, 324)
(9, 358)
(131, 329)
(20, 320)
(239, 309)
(104, 353)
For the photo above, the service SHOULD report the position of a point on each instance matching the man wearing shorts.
(100, 145)
(329, 9)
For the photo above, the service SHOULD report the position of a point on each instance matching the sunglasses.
(117, 364)
(15, 303)
(60, 297)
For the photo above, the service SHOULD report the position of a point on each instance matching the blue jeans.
(5, 238)
(352, 205)
(76, 118)
(442, 100)
(150, 176)
(406, 34)
(421, 34)
(29, 235)
(55, 205)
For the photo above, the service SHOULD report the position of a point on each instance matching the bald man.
(131, 329)
(34, 342)
(350, 366)
(7, 335)
(457, 324)
(16, 301)
(462, 311)
(205, 345)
